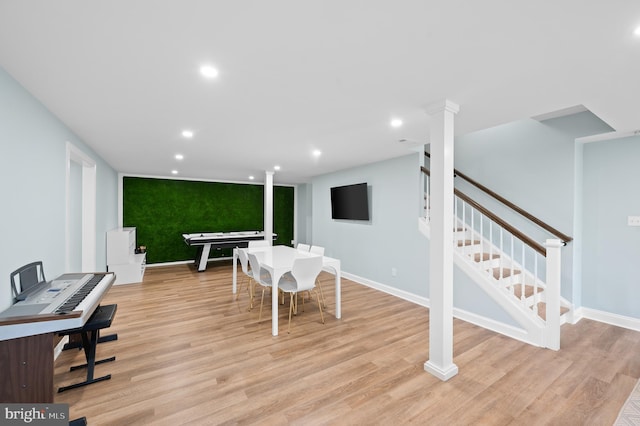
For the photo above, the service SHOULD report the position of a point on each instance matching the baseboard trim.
(419, 300)
(57, 350)
(496, 326)
(608, 318)
(157, 265)
(184, 262)
(461, 314)
(443, 374)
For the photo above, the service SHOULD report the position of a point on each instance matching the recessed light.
(187, 134)
(636, 32)
(251, 178)
(174, 172)
(276, 167)
(208, 71)
(316, 153)
(396, 122)
(179, 156)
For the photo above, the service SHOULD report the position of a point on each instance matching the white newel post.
(552, 332)
(268, 207)
(440, 362)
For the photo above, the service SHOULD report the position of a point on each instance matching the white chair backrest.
(258, 243)
(317, 250)
(255, 265)
(305, 271)
(303, 247)
(260, 275)
(244, 261)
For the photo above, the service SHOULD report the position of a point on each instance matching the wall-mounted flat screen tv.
(350, 202)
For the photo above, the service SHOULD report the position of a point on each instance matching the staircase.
(520, 274)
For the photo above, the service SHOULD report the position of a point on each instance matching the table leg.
(338, 294)
(275, 277)
(235, 271)
(204, 257)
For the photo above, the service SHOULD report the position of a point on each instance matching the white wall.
(303, 202)
(391, 239)
(611, 248)
(533, 164)
(33, 189)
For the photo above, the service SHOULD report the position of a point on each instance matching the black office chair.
(25, 278)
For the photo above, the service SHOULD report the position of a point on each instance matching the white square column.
(268, 207)
(440, 362)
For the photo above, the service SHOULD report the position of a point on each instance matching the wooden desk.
(26, 348)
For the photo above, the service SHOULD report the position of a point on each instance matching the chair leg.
(324, 304)
(239, 289)
(290, 309)
(251, 289)
(319, 306)
(261, 303)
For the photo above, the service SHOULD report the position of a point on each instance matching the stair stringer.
(533, 327)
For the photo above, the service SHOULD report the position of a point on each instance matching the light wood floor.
(188, 353)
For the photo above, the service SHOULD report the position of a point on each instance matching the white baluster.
(473, 229)
(481, 260)
(512, 280)
(553, 294)
(524, 262)
(491, 245)
(464, 226)
(535, 277)
(501, 253)
(455, 219)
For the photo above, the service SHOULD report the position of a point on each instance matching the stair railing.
(514, 260)
(553, 231)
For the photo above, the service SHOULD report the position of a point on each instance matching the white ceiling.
(297, 75)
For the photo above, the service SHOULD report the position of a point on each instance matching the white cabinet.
(122, 258)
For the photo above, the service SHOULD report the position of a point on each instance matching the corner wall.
(33, 187)
(611, 248)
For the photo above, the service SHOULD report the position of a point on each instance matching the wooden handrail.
(565, 238)
(506, 225)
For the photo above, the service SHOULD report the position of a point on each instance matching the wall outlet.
(633, 221)
(394, 272)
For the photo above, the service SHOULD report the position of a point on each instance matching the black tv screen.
(350, 202)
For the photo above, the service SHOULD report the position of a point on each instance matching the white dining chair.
(303, 247)
(258, 243)
(261, 277)
(303, 276)
(248, 277)
(319, 250)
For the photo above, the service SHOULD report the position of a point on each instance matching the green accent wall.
(164, 209)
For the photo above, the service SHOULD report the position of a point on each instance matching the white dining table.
(278, 260)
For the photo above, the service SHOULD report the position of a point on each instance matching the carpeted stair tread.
(478, 257)
(506, 273)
